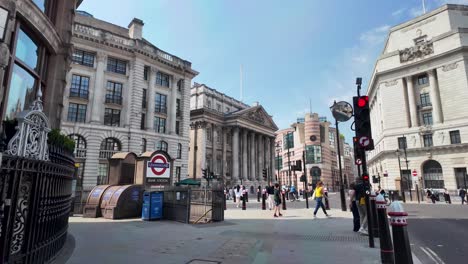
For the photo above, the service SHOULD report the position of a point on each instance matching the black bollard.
(263, 201)
(386, 247)
(284, 200)
(327, 204)
(307, 199)
(401, 242)
(234, 198)
(244, 207)
(375, 224)
(224, 201)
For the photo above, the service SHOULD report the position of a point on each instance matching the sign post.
(415, 174)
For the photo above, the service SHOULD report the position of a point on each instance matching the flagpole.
(424, 6)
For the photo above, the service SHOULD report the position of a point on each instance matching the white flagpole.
(241, 88)
(424, 6)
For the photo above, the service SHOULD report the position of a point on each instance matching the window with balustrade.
(79, 86)
(162, 79)
(160, 103)
(114, 93)
(116, 65)
(80, 145)
(109, 147)
(76, 112)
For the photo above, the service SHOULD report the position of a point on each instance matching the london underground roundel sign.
(158, 167)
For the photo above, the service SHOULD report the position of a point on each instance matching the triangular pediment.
(257, 114)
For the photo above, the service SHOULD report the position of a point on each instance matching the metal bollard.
(263, 201)
(284, 200)
(327, 204)
(244, 207)
(375, 224)
(224, 201)
(401, 242)
(386, 247)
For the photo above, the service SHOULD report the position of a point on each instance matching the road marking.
(436, 256)
(429, 255)
(440, 245)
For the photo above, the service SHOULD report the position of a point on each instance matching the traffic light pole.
(368, 207)
(342, 194)
(305, 180)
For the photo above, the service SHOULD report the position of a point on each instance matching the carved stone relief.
(418, 51)
(449, 67)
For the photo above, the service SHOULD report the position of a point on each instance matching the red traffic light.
(365, 177)
(362, 101)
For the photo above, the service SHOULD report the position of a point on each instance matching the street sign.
(385, 174)
(342, 111)
(415, 173)
(158, 167)
(358, 162)
(364, 141)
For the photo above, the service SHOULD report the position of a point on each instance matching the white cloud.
(375, 36)
(398, 12)
(416, 11)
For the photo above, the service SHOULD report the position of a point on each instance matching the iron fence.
(35, 204)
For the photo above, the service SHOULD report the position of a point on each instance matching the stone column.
(245, 172)
(235, 153)
(224, 157)
(261, 157)
(272, 157)
(253, 158)
(213, 148)
(435, 98)
(150, 104)
(97, 115)
(267, 155)
(173, 107)
(412, 101)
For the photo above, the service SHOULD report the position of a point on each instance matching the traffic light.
(362, 123)
(298, 166)
(264, 174)
(204, 172)
(365, 178)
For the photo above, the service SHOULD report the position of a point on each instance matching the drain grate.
(203, 261)
(315, 237)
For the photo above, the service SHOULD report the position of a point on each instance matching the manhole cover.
(203, 261)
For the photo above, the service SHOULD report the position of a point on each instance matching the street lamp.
(289, 157)
(278, 149)
(408, 172)
(401, 177)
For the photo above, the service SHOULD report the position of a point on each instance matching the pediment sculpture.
(418, 51)
(257, 116)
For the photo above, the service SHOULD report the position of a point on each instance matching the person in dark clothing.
(277, 199)
(462, 195)
(353, 207)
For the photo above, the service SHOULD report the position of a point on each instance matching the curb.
(66, 252)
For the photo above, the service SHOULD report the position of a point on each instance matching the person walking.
(238, 193)
(447, 196)
(270, 193)
(353, 207)
(360, 193)
(318, 199)
(277, 198)
(462, 194)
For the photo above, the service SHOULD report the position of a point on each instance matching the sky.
(296, 56)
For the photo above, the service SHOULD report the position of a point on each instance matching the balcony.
(79, 94)
(80, 153)
(106, 154)
(161, 109)
(113, 99)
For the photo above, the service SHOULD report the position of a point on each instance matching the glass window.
(288, 141)
(116, 65)
(162, 79)
(218, 107)
(425, 99)
(402, 143)
(80, 145)
(160, 103)
(427, 140)
(102, 174)
(427, 119)
(110, 144)
(83, 57)
(146, 71)
(455, 137)
(76, 113)
(179, 151)
(161, 145)
(27, 50)
(177, 127)
(423, 79)
(143, 121)
(114, 93)
(112, 117)
(331, 138)
(461, 177)
(279, 162)
(143, 145)
(177, 172)
(143, 100)
(180, 85)
(21, 93)
(159, 124)
(313, 154)
(178, 112)
(79, 86)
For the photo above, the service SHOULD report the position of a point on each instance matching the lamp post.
(289, 158)
(407, 171)
(278, 149)
(401, 177)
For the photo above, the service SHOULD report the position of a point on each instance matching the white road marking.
(429, 255)
(436, 256)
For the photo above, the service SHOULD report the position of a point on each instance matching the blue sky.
(291, 51)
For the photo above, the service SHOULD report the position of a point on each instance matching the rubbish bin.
(152, 206)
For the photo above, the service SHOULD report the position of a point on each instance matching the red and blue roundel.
(158, 167)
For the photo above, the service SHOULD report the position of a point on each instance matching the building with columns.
(124, 94)
(418, 96)
(230, 138)
(315, 136)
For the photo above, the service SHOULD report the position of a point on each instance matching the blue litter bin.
(152, 206)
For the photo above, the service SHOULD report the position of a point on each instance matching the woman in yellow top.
(318, 199)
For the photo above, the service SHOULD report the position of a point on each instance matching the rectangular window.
(427, 140)
(116, 65)
(425, 99)
(111, 117)
(313, 154)
(143, 99)
(427, 119)
(177, 172)
(218, 136)
(178, 111)
(177, 127)
(79, 86)
(114, 93)
(218, 107)
(209, 104)
(288, 141)
(279, 162)
(160, 124)
(461, 178)
(331, 138)
(208, 134)
(162, 79)
(423, 79)
(160, 103)
(180, 85)
(146, 72)
(102, 174)
(455, 137)
(143, 121)
(83, 57)
(402, 143)
(76, 113)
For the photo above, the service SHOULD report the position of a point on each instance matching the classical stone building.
(419, 100)
(34, 54)
(317, 138)
(232, 139)
(124, 94)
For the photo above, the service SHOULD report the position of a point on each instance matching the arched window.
(432, 175)
(80, 145)
(109, 147)
(143, 145)
(179, 151)
(161, 145)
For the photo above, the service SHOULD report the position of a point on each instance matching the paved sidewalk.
(251, 236)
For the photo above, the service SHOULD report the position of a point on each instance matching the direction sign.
(364, 141)
(415, 173)
(358, 162)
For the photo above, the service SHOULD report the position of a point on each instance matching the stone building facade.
(317, 138)
(419, 101)
(232, 139)
(34, 54)
(124, 94)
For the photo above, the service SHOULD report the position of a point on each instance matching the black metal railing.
(113, 99)
(35, 205)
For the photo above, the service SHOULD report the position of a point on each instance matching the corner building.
(235, 140)
(124, 94)
(419, 100)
